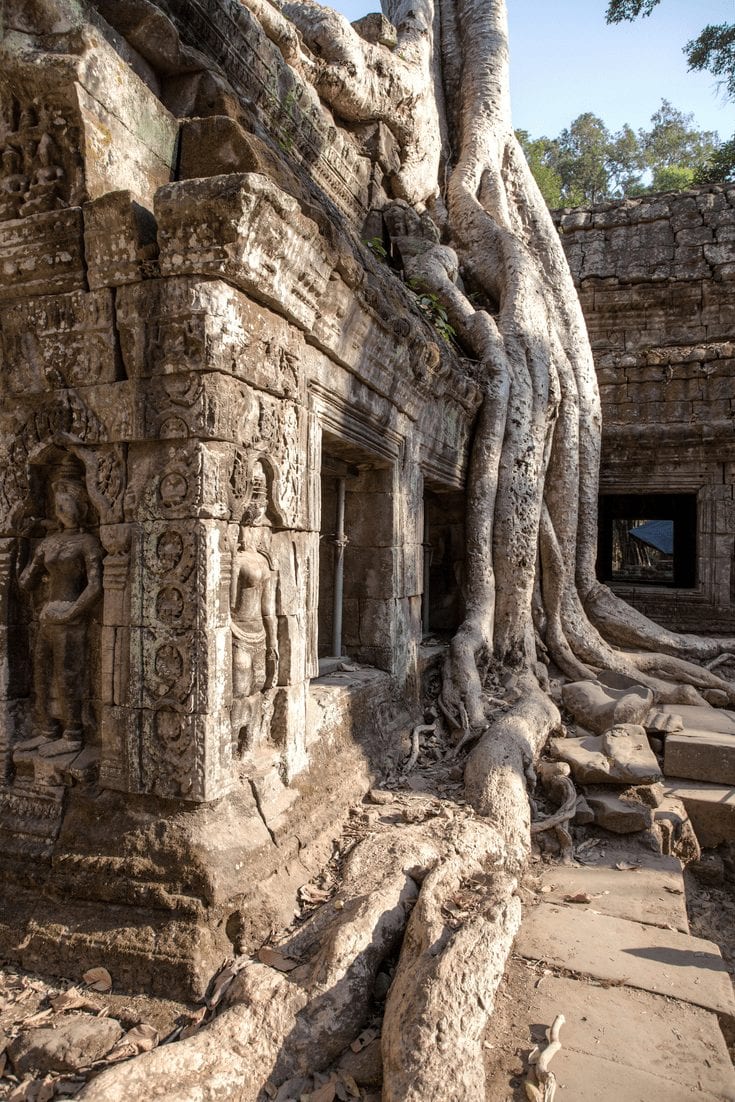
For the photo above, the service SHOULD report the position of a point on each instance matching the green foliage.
(720, 168)
(673, 141)
(377, 248)
(620, 10)
(581, 160)
(433, 308)
(672, 178)
(540, 154)
(589, 164)
(714, 52)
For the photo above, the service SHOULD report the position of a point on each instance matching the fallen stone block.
(674, 831)
(649, 794)
(599, 707)
(75, 1043)
(621, 816)
(662, 723)
(621, 756)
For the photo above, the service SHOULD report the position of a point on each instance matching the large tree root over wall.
(470, 226)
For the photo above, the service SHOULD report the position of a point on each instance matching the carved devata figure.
(253, 618)
(65, 575)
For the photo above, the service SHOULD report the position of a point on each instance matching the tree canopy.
(587, 163)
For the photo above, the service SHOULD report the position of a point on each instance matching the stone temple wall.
(197, 349)
(656, 278)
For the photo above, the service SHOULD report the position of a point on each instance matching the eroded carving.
(65, 576)
(13, 183)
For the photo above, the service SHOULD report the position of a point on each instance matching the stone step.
(702, 717)
(652, 893)
(700, 756)
(710, 807)
(616, 950)
(619, 1043)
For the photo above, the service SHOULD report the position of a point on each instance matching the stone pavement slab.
(700, 756)
(583, 1078)
(653, 894)
(665, 962)
(710, 807)
(629, 1039)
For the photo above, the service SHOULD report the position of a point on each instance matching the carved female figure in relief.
(67, 564)
(253, 617)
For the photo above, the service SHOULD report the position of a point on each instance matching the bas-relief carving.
(253, 619)
(57, 341)
(61, 422)
(34, 178)
(64, 579)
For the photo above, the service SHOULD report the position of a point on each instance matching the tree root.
(418, 730)
(274, 1026)
(541, 1083)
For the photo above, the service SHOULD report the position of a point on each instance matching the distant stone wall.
(656, 277)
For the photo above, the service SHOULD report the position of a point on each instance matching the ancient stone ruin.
(224, 430)
(298, 491)
(654, 277)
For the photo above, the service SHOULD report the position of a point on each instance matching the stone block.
(701, 717)
(621, 1044)
(370, 572)
(379, 143)
(288, 727)
(369, 519)
(621, 756)
(119, 240)
(74, 1043)
(132, 147)
(42, 255)
(244, 229)
(652, 892)
(599, 707)
(701, 756)
(710, 807)
(664, 962)
(291, 649)
(662, 723)
(674, 829)
(720, 254)
(67, 340)
(185, 756)
(694, 235)
(616, 814)
(217, 145)
(376, 621)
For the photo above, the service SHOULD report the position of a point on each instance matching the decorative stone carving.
(253, 619)
(47, 182)
(66, 569)
(13, 184)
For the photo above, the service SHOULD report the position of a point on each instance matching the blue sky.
(566, 60)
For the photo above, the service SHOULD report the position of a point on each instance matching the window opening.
(648, 539)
